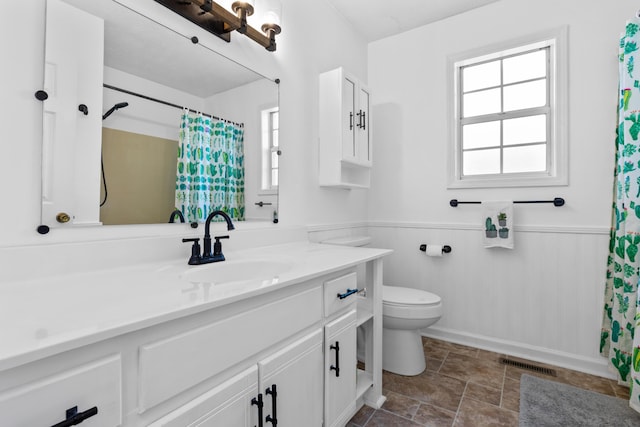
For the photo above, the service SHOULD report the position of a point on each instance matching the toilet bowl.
(405, 311)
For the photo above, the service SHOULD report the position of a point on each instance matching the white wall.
(543, 299)
(302, 54)
(245, 104)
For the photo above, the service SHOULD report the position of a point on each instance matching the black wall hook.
(83, 108)
(41, 95)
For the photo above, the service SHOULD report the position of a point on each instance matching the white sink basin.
(234, 271)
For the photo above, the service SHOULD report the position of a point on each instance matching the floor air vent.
(528, 366)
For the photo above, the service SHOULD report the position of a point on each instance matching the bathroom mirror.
(155, 71)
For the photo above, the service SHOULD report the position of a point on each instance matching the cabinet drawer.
(44, 402)
(172, 365)
(338, 295)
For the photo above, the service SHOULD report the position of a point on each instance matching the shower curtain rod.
(159, 101)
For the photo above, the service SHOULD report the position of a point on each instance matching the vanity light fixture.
(223, 17)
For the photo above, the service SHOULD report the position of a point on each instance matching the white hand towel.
(497, 224)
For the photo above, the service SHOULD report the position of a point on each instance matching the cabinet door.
(296, 373)
(72, 140)
(228, 404)
(349, 119)
(340, 369)
(363, 139)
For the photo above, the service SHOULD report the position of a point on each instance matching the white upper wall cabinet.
(345, 131)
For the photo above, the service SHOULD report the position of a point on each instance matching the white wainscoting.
(541, 301)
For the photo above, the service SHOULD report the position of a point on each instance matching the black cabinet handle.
(74, 417)
(351, 120)
(337, 367)
(273, 418)
(260, 404)
(364, 120)
(348, 293)
(359, 114)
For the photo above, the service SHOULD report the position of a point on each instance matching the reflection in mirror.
(160, 95)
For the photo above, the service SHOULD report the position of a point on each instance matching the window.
(270, 150)
(509, 115)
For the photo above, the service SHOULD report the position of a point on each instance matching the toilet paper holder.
(445, 249)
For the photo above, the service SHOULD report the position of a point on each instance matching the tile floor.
(464, 387)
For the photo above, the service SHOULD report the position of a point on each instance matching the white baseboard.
(594, 366)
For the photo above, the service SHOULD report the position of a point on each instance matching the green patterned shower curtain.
(210, 172)
(622, 309)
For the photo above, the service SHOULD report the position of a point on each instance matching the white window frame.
(557, 142)
(267, 149)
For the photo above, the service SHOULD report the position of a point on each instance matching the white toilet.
(405, 311)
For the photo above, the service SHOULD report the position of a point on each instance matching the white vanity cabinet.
(228, 404)
(291, 384)
(344, 131)
(285, 354)
(92, 388)
(340, 370)
(285, 387)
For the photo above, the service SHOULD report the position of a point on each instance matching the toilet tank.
(362, 241)
(349, 241)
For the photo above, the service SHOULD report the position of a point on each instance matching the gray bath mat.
(548, 403)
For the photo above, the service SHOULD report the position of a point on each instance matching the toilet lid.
(408, 296)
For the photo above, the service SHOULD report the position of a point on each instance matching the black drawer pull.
(74, 417)
(337, 367)
(273, 418)
(259, 403)
(346, 294)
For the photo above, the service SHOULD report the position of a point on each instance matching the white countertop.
(39, 318)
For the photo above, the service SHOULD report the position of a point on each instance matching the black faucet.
(174, 214)
(207, 256)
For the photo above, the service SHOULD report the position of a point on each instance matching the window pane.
(525, 130)
(274, 177)
(532, 158)
(479, 103)
(274, 159)
(274, 138)
(524, 67)
(481, 135)
(275, 119)
(525, 95)
(481, 76)
(481, 162)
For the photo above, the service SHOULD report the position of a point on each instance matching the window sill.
(503, 182)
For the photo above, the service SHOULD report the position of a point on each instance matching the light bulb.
(271, 12)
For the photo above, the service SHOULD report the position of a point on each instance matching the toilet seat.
(409, 303)
(397, 295)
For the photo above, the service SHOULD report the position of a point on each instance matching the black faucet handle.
(217, 247)
(195, 250)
